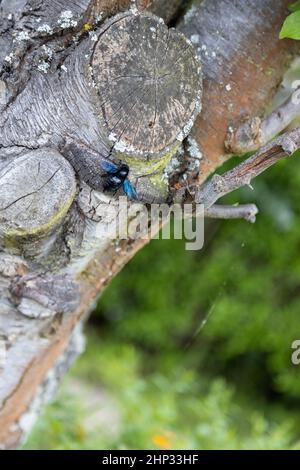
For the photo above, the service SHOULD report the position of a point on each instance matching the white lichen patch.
(93, 36)
(180, 136)
(195, 38)
(194, 166)
(133, 7)
(45, 60)
(190, 14)
(9, 58)
(76, 38)
(202, 50)
(66, 20)
(99, 17)
(48, 51)
(120, 147)
(43, 66)
(22, 36)
(175, 163)
(45, 29)
(173, 166)
(112, 137)
(193, 149)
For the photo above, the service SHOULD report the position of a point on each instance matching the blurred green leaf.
(291, 26)
(295, 6)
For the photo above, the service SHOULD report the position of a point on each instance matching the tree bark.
(80, 86)
(243, 64)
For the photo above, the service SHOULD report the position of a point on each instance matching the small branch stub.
(149, 82)
(36, 192)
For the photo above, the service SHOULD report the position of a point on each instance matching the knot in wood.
(149, 81)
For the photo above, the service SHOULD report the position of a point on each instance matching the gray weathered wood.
(51, 102)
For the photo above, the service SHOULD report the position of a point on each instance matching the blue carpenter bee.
(97, 171)
(115, 177)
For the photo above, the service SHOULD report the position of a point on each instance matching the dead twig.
(243, 211)
(242, 175)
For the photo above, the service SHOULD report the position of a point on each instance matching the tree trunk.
(86, 82)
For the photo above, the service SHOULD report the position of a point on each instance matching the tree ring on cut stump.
(36, 192)
(149, 81)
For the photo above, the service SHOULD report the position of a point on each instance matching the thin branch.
(255, 132)
(243, 211)
(242, 175)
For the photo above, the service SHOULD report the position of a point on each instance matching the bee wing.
(108, 166)
(129, 190)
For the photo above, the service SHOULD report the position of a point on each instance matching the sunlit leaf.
(291, 27)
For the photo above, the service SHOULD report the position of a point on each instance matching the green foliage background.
(291, 26)
(193, 349)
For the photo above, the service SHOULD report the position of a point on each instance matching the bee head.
(123, 171)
